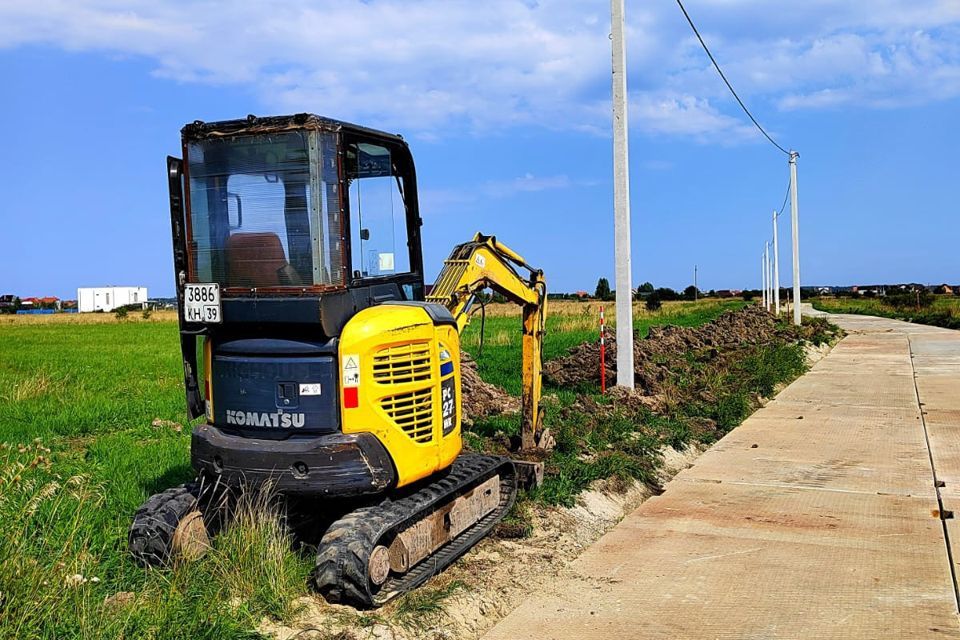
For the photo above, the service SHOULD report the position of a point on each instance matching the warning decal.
(350, 370)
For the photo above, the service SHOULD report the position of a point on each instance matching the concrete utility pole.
(621, 199)
(763, 278)
(766, 273)
(770, 281)
(795, 221)
(696, 290)
(776, 267)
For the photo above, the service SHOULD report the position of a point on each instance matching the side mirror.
(364, 234)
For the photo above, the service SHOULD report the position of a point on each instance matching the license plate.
(201, 302)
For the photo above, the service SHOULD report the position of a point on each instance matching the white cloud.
(432, 66)
(443, 199)
(671, 113)
(527, 183)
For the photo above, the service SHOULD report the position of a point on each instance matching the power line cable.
(786, 197)
(727, 82)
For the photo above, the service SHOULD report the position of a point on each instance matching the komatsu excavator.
(321, 363)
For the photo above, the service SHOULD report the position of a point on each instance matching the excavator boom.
(486, 263)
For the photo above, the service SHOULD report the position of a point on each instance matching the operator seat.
(258, 260)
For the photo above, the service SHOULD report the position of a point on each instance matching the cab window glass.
(378, 226)
(264, 211)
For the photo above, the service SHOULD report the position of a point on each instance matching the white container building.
(91, 299)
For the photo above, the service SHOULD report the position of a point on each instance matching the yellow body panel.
(393, 356)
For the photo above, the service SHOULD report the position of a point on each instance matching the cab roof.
(198, 130)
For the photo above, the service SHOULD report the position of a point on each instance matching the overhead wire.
(786, 197)
(727, 82)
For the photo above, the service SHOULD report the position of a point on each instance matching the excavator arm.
(485, 263)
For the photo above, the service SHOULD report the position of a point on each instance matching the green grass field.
(944, 310)
(78, 407)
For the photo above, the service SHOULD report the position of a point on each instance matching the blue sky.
(506, 106)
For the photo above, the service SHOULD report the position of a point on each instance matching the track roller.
(375, 553)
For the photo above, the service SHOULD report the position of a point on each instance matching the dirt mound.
(482, 399)
(618, 398)
(653, 354)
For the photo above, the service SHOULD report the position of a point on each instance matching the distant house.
(583, 295)
(943, 288)
(727, 293)
(90, 299)
(870, 289)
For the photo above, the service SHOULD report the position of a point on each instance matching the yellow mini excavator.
(321, 363)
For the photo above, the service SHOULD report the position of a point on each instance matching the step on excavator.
(323, 366)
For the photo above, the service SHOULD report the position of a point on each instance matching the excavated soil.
(481, 399)
(663, 347)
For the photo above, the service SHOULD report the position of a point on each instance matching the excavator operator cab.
(298, 206)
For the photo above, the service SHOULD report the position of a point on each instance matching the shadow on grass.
(173, 476)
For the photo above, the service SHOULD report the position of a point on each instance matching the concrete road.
(819, 517)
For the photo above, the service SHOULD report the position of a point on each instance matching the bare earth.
(498, 575)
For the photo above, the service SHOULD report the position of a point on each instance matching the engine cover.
(274, 388)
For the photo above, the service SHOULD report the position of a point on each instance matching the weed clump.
(61, 575)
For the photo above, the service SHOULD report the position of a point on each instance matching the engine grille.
(412, 412)
(402, 363)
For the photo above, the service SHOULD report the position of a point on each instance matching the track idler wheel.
(176, 524)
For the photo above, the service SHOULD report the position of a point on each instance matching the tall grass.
(943, 312)
(91, 393)
(64, 571)
(162, 315)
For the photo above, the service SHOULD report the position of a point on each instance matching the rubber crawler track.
(343, 556)
(151, 534)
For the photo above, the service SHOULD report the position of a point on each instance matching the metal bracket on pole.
(795, 221)
(621, 199)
